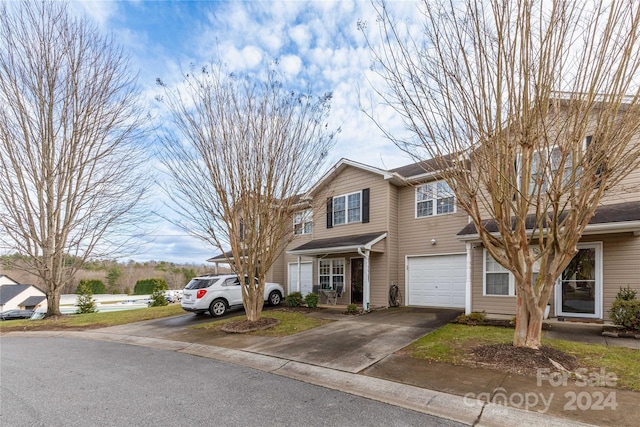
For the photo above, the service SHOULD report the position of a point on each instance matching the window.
(348, 208)
(303, 222)
(434, 198)
(331, 273)
(498, 281)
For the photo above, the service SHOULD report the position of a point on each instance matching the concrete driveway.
(356, 343)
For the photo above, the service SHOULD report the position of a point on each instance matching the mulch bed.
(244, 326)
(520, 360)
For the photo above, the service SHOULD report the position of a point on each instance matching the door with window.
(579, 289)
(357, 280)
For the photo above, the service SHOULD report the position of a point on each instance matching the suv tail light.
(200, 293)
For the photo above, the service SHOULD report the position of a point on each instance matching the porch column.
(298, 287)
(366, 297)
(467, 290)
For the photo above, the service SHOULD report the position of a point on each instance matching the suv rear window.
(199, 283)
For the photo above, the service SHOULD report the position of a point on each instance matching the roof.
(339, 244)
(606, 218)
(32, 301)
(423, 169)
(222, 257)
(9, 292)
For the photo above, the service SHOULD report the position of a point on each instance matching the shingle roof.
(339, 242)
(8, 292)
(620, 212)
(32, 301)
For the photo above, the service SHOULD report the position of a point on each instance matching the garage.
(306, 278)
(437, 281)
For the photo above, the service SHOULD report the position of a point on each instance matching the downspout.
(467, 291)
(299, 288)
(365, 278)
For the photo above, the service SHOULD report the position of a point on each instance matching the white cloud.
(291, 65)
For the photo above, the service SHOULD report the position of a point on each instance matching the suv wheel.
(218, 308)
(275, 298)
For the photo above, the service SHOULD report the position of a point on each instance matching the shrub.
(626, 313)
(96, 286)
(86, 303)
(294, 299)
(311, 300)
(352, 309)
(475, 317)
(626, 294)
(149, 286)
(157, 293)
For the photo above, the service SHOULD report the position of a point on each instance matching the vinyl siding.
(620, 268)
(415, 234)
(348, 181)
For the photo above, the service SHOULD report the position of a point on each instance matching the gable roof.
(9, 292)
(343, 164)
(607, 218)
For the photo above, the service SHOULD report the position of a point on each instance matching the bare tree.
(240, 152)
(541, 99)
(71, 139)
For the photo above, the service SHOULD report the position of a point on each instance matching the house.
(14, 296)
(380, 227)
(376, 228)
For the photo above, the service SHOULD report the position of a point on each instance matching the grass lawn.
(92, 320)
(452, 343)
(290, 323)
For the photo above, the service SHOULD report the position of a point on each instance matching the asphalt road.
(74, 382)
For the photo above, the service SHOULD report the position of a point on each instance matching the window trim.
(299, 219)
(434, 200)
(512, 280)
(331, 275)
(346, 208)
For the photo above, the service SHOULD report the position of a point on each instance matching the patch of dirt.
(298, 309)
(244, 326)
(519, 360)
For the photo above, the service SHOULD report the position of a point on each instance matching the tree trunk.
(528, 325)
(53, 303)
(253, 307)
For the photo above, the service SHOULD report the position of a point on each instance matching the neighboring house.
(378, 227)
(14, 296)
(6, 280)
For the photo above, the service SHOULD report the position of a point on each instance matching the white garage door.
(306, 278)
(437, 281)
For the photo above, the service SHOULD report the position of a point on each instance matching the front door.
(579, 289)
(357, 280)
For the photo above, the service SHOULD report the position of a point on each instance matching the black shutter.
(365, 205)
(330, 212)
(241, 230)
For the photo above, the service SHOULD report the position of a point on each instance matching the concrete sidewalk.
(475, 396)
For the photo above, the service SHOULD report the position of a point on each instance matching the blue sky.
(317, 44)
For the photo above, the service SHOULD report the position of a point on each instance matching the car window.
(232, 281)
(199, 283)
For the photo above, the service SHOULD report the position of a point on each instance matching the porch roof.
(341, 244)
(617, 218)
(32, 301)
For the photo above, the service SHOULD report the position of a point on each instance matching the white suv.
(216, 293)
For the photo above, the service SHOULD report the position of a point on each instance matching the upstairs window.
(434, 198)
(348, 208)
(303, 222)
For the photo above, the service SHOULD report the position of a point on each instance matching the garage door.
(437, 281)
(306, 277)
